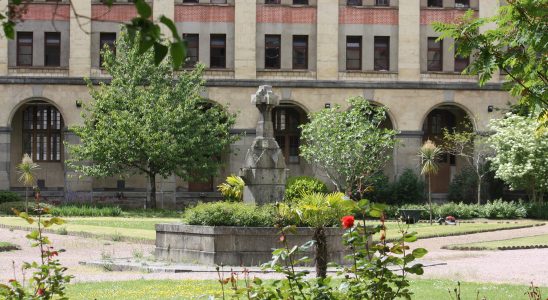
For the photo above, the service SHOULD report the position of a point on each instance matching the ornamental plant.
(48, 280)
(232, 189)
(27, 169)
(429, 154)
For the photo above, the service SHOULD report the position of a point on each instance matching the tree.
(26, 170)
(516, 46)
(429, 154)
(349, 146)
(146, 122)
(470, 146)
(521, 158)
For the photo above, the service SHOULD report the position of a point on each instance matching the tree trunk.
(479, 190)
(27, 200)
(321, 252)
(152, 182)
(430, 197)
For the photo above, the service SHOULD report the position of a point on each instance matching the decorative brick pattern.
(286, 14)
(286, 75)
(204, 13)
(47, 12)
(115, 13)
(355, 15)
(368, 76)
(429, 16)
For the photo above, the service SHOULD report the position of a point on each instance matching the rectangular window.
(460, 62)
(462, 3)
(434, 55)
(52, 49)
(381, 55)
(106, 39)
(217, 44)
(435, 3)
(24, 48)
(382, 2)
(353, 52)
(354, 2)
(271, 1)
(190, 1)
(272, 51)
(300, 52)
(300, 2)
(192, 49)
(218, 1)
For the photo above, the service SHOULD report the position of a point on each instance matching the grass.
(5, 246)
(528, 241)
(202, 289)
(142, 229)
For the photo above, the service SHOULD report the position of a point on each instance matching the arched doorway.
(37, 130)
(452, 118)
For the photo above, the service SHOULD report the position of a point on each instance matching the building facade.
(315, 54)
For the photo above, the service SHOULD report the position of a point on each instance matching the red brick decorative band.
(204, 13)
(430, 16)
(115, 13)
(47, 12)
(353, 15)
(285, 14)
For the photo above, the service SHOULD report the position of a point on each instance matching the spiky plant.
(26, 170)
(233, 188)
(429, 154)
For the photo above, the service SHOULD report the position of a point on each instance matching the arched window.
(287, 120)
(42, 132)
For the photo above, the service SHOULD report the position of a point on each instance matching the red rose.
(40, 292)
(347, 221)
(450, 219)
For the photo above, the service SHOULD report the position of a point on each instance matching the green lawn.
(201, 289)
(143, 228)
(5, 246)
(494, 245)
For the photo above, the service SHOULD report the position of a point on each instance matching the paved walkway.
(515, 266)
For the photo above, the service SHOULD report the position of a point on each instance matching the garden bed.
(527, 242)
(233, 246)
(5, 246)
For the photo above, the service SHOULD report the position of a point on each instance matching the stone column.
(409, 40)
(3, 47)
(488, 8)
(327, 48)
(80, 39)
(164, 8)
(264, 170)
(245, 32)
(5, 139)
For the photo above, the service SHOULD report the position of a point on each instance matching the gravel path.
(515, 266)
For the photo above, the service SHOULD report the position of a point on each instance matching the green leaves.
(144, 10)
(419, 252)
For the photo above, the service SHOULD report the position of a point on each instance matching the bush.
(6, 196)
(6, 207)
(408, 188)
(300, 185)
(83, 210)
(537, 211)
(463, 187)
(230, 214)
(499, 209)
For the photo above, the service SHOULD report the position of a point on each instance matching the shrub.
(6, 207)
(6, 196)
(381, 190)
(537, 210)
(463, 187)
(499, 209)
(300, 185)
(232, 189)
(408, 188)
(230, 214)
(83, 210)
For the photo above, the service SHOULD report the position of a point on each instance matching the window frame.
(211, 47)
(440, 49)
(360, 49)
(434, 3)
(354, 3)
(48, 133)
(300, 2)
(279, 48)
(272, 2)
(387, 47)
(52, 46)
(295, 49)
(189, 63)
(382, 2)
(19, 44)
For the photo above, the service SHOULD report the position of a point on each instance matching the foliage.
(85, 211)
(350, 146)
(27, 176)
(297, 186)
(496, 209)
(7, 196)
(537, 211)
(232, 189)
(5, 246)
(463, 187)
(48, 280)
(429, 154)
(407, 188)
(6, 207)
(516, 45)
(146, 122)
(230, 214)
(521, 159)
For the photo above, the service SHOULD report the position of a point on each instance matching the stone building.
(315, 54)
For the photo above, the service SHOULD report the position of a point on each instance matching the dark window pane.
(217, 51)
(300, 2)
(435, 3)
(286, 130)
(434, 55)
(42, 132)
(190, 1)
(271, 1)
(218, 1)
(462, 3)
(52, 49)
(382, 2)
(24, 48)
(300, 52)
(354, 2)
(192, 49)
(106, 39)
(272, 51)
(353, 52)
(382, 53)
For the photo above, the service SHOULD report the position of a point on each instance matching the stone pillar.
(164, 8)
(245, 32)
(264, 170)
(3, 47)
(5, 139)
(80, 39)
(327, 48)
(409, 40)
(488, 8)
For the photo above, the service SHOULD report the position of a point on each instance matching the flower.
(450, 219)
(40, 292)
(347, 222)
